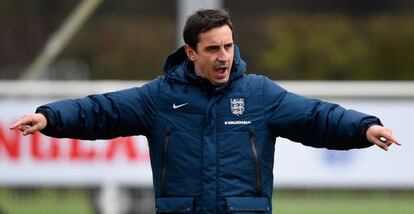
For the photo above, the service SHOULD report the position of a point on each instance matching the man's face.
(214, 54)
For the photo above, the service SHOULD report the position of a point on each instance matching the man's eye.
(211, 49)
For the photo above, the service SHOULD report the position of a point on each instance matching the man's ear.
(191, 53)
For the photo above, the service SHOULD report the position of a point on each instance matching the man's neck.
(198, 73)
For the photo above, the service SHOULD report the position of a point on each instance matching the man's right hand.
(30, 123)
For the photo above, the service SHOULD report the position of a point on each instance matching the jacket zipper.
(164, 163)
(252, 138)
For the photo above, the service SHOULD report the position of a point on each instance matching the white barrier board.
(297, 165)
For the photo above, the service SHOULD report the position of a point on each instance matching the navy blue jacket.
(211, 148)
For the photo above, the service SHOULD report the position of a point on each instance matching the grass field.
(51, 201)
(343, 202)
(44, 201)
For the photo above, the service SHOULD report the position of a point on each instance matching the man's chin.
(220, 83)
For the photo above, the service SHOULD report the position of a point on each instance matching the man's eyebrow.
(212, 46)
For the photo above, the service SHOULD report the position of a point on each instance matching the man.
(211, 128)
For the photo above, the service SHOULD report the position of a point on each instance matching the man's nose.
(223, 55)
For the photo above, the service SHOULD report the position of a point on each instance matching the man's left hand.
(381, 136)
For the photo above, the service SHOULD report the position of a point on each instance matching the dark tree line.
(284, 39)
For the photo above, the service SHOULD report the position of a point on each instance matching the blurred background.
(361, 51)
(284, 39)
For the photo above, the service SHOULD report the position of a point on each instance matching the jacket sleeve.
(313, 122)
(103, 116)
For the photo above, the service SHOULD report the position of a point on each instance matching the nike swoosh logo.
(179, 106)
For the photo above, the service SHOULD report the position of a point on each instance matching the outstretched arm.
(381, 136)
(101, 116)
(321, 124)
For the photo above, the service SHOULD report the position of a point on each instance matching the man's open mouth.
(221, 70)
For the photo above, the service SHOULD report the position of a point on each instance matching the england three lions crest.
(237, 106)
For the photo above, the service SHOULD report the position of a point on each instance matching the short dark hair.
(202, 21)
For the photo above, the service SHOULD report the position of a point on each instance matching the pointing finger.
(391, 138)
(24, 120)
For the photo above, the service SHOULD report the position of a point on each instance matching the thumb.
(31, 129)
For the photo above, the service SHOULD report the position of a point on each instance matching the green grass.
(70, 201)
(343, 202)
(44, 201)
